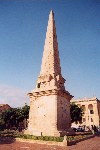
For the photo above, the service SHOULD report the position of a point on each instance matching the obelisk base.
(55, 133)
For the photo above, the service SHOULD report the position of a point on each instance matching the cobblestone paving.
(90, 144)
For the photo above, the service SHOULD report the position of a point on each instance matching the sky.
(23, 26)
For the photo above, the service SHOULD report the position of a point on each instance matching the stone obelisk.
(49, 101)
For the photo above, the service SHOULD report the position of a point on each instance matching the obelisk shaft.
(50, 60)
(50, 75)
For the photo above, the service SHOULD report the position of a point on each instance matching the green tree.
(2, 123)
(14, 117)
(76, 113)
(25, 111)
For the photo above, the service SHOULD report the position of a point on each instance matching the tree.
(25, 111)
(2, 123)
(76, 113)
(13, 118)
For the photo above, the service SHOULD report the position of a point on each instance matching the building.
(49, 101)
(4, 107)
(91, 108)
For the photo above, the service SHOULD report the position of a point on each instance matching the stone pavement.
(90, 144)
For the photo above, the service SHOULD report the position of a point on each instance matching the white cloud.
(13, 96)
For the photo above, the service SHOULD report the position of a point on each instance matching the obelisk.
(49, 102)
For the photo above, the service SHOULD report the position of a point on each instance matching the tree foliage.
(76, 113)
(12, 117)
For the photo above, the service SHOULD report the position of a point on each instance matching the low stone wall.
(64, 143)
(79, 140)
(40, 142)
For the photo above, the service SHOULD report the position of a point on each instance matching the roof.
(4, 107)
(85, 99)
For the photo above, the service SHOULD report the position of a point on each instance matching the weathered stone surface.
(49, 101)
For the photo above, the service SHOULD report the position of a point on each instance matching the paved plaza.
(90, 144)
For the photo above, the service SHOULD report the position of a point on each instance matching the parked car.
(75, 129)
(80, 129)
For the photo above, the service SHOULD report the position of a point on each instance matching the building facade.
(49, 101)
(91, 109)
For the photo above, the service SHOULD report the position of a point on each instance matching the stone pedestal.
(49, 114)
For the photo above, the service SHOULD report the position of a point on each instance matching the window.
(38, 85)
(91, 120)
(91, 112)
(83, 108)
(84, 119)
(90, 107)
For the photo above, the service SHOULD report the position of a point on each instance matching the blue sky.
(23, 26)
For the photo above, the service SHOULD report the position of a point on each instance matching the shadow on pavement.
(98, 134)
(7, 140)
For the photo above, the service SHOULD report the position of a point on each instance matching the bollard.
(65, 142)
(93, 132)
